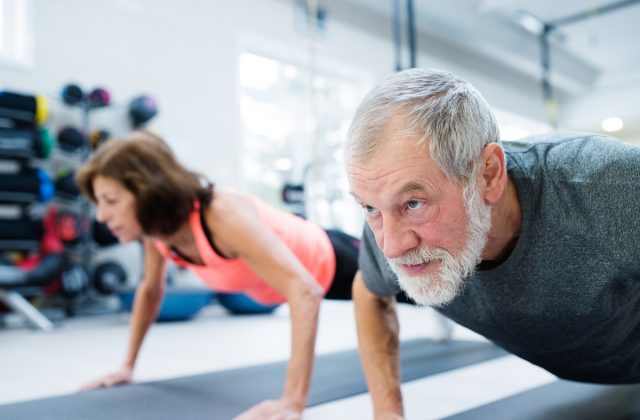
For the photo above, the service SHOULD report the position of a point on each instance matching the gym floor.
(37, 364)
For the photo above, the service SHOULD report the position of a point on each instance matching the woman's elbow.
(311, 294)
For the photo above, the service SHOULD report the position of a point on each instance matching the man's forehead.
(368, 182)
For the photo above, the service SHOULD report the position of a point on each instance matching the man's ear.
(493, 173)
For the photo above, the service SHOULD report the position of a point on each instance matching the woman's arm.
(145, 309)
(241, 232)
(147, 301)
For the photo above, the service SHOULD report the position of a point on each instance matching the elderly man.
(533, 244)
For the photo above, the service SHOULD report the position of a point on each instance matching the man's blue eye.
(369, 209)
(413, 204)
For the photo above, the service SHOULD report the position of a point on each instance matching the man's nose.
(396, 238)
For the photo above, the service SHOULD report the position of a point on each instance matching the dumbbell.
(108, 277)
(23, 110)
(21, 230)
(27, 185)
(25, 143)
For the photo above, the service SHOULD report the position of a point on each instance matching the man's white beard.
(441, 287)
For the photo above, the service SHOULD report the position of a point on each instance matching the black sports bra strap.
(207, 231)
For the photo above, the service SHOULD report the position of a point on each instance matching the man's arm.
(377, 326)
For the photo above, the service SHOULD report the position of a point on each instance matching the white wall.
(185, 54)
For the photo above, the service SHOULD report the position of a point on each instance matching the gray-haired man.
(532, 244)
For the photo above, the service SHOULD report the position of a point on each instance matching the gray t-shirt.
(568, 296)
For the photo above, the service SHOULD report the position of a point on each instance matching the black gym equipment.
(72, 94)
(76, 140)
(20, 234)
(68, 227)
(108, 277)
(98, 98)
(65, 184)
(98, 137)
(49, 267)
(13, 278)
(71, 139)
(22, 110)
(102, 235)
(142, 109)
(73, 280)
(293, 195)
(26, 186)
(224, 395)
(25, 143)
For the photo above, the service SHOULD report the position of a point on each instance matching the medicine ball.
(72, 94)
(142, 109)
(99, 97)
(71, 139)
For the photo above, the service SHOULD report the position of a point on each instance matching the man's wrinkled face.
(430, 230)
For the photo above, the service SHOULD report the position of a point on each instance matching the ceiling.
(595, 61)
(603, 38)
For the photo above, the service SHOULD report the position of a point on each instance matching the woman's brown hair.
(164, 189)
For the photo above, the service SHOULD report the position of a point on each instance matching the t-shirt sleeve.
(376, 273)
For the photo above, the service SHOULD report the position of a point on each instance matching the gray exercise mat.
(223, 395)
(563, 400)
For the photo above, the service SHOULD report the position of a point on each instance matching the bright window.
(295, 122)
(15, 33)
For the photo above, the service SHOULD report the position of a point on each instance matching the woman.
(233, 241)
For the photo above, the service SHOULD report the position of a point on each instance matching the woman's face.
(116, 206)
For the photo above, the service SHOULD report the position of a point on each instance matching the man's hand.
(272, 410)
(122, 376)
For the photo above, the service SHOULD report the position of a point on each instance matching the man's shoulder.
(576, 156)
(564, 141)
(569, 143)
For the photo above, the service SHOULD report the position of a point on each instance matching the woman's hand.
(272, 410)
(122, 376)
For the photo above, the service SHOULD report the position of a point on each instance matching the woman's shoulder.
(231, 197)
(229, 203)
